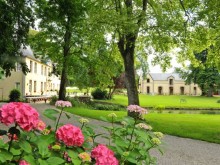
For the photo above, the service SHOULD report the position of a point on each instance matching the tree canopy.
(15, 21)
(205, 75)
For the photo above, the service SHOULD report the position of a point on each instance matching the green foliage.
(102, 106)
(218, 101)
(131, 143)
(204, 74)
(14, 95)
(53, 100)
(16, 19)
(99, 94)
(159, 107)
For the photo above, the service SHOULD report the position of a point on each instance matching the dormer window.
(171, 81)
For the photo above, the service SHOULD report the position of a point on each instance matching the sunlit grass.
(170, 101)
(195, 126)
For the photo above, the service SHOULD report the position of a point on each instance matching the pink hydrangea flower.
(22, 114)
(40, 125)
(23, 162)
(103, 155)
(61, 103)
(70, 135)
(136, 108)
(7, 113)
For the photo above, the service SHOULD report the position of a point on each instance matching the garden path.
(177, 151)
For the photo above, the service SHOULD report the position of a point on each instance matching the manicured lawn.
(170, 101)
(195, 126)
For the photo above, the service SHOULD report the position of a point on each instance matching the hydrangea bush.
(29, 141)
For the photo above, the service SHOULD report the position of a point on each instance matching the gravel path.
(177, 151)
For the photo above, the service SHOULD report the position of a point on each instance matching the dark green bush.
(106, 107)
(53, 100)
(99, 94)
(14, 95)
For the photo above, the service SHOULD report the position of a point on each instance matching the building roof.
(165, 76)
(27, 52)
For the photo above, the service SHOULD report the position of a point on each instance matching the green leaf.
(5, 155)
(132, 160)
(3, 144)
(121, 142)
(15, 151)
(55, 160)
(50, 113)
(72, 154)
(76, 161)
(67, 115)
(43, 150)
(42, 162)
(25, 146)
(30, 159)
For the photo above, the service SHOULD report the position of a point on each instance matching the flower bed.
(32, 142)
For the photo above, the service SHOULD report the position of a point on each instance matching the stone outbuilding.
(167, 84)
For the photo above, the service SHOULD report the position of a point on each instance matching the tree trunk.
(127, 52)
(66, 53)
(62, 91)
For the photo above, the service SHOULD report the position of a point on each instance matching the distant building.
(167, 84)
(38, 81)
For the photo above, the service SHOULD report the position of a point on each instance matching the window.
(171, 81)
(45, 71)
(42, 69)
(31, 66)
(35, 67)
(18, 67)
(148, 90)
(41, 87)
(48, 72)
(45, 86)
(30, 86)
(35, 86)
(17, 85)
(148, 80)
(195, 91)
(182, 90)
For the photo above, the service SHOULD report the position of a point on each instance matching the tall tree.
(59, 33)
(159, 24)
(15, 21)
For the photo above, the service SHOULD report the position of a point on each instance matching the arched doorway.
(182, 90)
(171, 90)
(160, 90)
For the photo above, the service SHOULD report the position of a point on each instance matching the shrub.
(53, 100)
(99, 94)
(208, 112)
(14, 95)
(112, 107)
(75, 102)
(218, 101)
(159, 107)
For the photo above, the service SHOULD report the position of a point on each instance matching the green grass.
(195, 126)
(170, 101)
